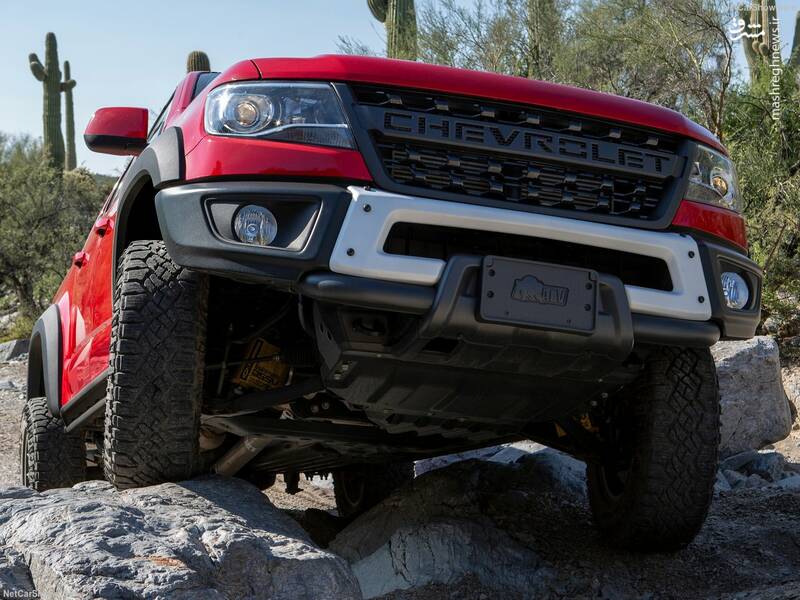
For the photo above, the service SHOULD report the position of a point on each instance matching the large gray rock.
(504, 453)
(791, 383)
(755, 410)
(209, 538)
(13, 349)
(443, 527)
(550, 466)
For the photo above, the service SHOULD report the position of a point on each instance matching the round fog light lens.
(255, 225)
(734, 287)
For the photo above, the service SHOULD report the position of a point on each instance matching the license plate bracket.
(538, 295)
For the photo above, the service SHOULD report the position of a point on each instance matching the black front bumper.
(195, 221)
(196, 224)
(450, 309)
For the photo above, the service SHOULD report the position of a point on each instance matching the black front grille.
(465, 148)
(518, 180)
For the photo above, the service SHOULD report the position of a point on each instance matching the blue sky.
(133, 53)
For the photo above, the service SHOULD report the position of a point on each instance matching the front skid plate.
(316, 446)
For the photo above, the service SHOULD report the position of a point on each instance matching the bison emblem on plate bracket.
(532, 289)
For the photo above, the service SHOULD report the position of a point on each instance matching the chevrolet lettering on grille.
(526, 141)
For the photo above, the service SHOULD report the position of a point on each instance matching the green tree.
(677, 54)
(767, 156)
(514, 37)
(44, 218)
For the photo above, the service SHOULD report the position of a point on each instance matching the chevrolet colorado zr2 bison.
(338, 265)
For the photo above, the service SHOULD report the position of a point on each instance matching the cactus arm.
(70, 157)
(768, 10)
(37, 68)
(756, 50)
(378, 9)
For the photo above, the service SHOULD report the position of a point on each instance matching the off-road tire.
(359, 488)
(152, 419)
(49, 456)
(672, 426)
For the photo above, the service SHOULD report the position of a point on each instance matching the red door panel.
(85, 304)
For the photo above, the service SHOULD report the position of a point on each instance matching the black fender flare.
(162, 163)
(44, 360)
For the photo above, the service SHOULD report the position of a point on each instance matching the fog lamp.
(734, 287)
(255, 225)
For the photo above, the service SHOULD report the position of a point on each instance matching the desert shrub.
(45, 216)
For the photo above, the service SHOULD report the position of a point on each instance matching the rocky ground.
(12, 398)
(514, 524)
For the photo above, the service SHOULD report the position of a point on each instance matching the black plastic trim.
(192, 241)
(455, 312)
(84, 406)
(735, 324)
(662, 331)
(367, 293)
(439, 304)
(365, 144)
(44, 360)
(114, 144)
(161, 163)
(164, 158)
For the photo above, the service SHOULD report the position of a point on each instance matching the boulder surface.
(13, 349)
(209, 538)
(443, 527)
(755, 409)
(480, 529)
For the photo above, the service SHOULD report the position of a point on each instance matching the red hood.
(407, 74)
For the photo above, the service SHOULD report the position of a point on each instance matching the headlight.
(308, 113)
(713, 180)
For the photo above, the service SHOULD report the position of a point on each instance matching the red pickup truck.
(342, 264)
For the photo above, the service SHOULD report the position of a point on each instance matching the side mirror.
(119, 130)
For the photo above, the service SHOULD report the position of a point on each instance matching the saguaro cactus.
(758, 17)
(794, 58)
(400, 20)
(66, 86)
(50, 76)
(197, 61)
